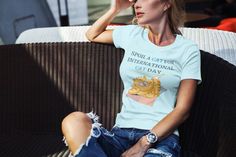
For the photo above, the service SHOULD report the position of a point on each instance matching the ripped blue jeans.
(104, 143)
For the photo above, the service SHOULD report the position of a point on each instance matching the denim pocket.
(115, 128)
(119, 132)
(106, 132)
(172, 142)
(176, 146)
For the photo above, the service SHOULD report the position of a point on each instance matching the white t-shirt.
(151, 75)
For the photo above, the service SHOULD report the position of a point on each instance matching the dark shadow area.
(210, 129)
(208, 22)
(42, 83)
(212, 14)
(32, 108)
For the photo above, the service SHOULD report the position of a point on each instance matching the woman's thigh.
(106, 143)
(168, 147)
(118, 140)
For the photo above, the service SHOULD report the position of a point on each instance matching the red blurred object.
(228, 24)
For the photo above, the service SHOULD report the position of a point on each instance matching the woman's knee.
(75, 119)
(76, 129)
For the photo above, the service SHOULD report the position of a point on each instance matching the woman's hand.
(139, 149)
(120, 5)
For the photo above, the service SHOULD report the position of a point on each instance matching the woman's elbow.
(89, 36)
(183, 114)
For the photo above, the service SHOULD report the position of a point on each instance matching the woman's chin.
(141, 23)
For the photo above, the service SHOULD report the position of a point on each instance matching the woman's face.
(149, 11)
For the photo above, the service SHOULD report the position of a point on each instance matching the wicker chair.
(42, 83)
(220, 43)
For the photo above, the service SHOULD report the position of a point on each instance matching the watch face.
(151, 137)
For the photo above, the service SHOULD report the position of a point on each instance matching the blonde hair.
(176, 15)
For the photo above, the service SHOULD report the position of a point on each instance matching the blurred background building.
(17, 16)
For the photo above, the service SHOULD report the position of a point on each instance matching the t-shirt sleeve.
(192, 65)
(120, 36)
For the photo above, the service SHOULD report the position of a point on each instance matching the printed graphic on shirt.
(145, 90)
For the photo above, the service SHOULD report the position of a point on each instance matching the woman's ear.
(167, 5)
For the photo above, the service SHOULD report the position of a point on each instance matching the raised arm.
(97, 32)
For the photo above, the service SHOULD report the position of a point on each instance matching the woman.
(160, 71)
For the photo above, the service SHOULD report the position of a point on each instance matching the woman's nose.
(136, 4)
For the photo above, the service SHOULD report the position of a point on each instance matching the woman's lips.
(139, 14)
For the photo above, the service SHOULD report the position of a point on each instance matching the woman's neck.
(161, 34)
(161, 39)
